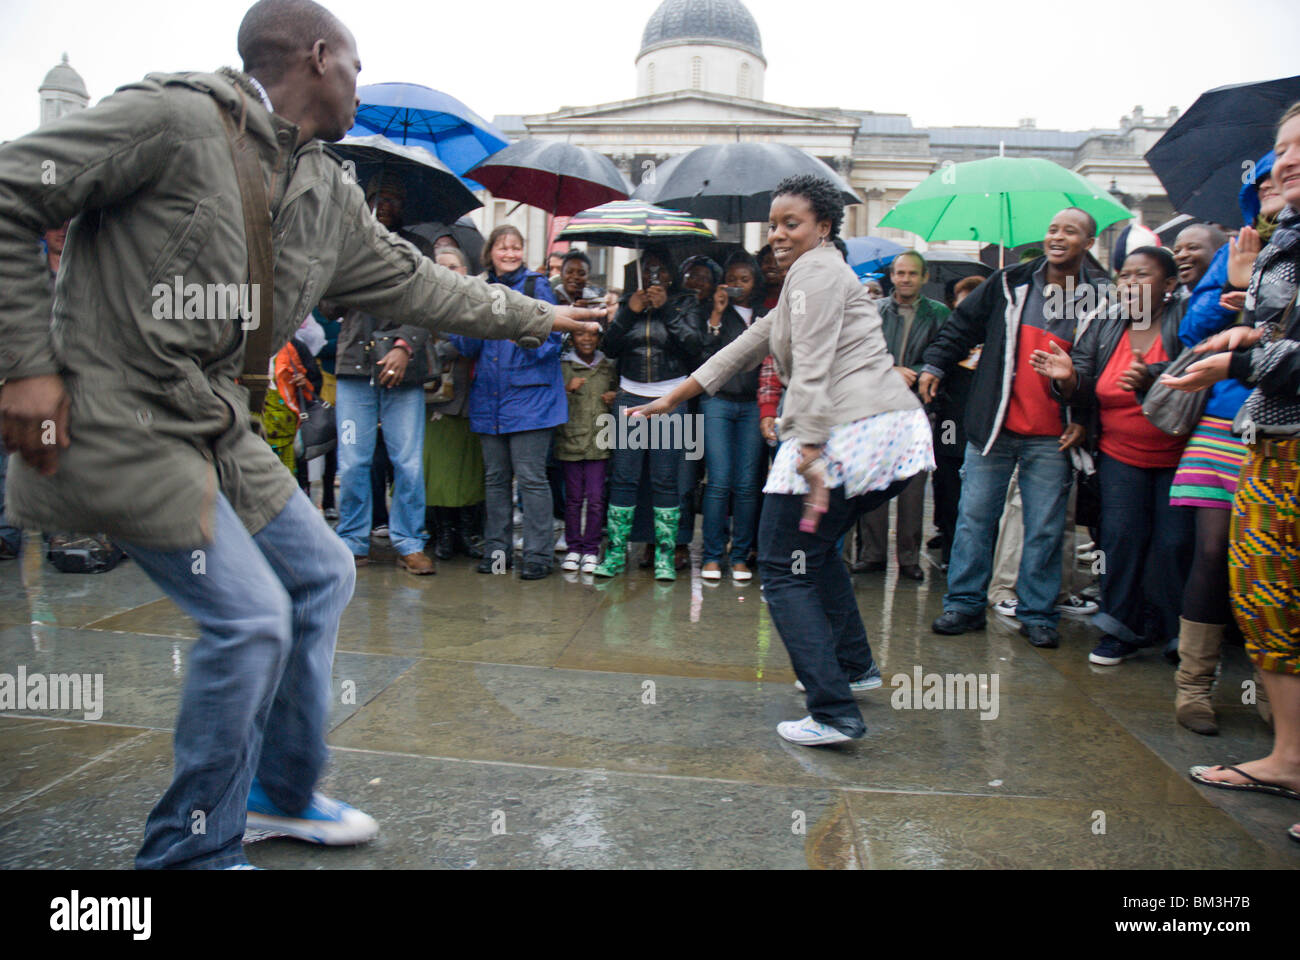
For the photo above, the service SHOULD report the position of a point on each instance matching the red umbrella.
(560, 178)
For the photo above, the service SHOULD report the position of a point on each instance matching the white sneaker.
(590, 562)
(1077, 606)
(1006, 607)
(872, 681)
(572, 561)
(380, 531)
(810, 733)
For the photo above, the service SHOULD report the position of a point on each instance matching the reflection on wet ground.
(489, 722)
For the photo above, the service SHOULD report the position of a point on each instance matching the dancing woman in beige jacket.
(852, 435)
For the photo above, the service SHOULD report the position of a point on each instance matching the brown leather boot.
(417, 563)
(1198, 656)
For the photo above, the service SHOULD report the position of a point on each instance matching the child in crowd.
(590, 383)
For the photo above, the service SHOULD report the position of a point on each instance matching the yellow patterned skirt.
(1264, 555)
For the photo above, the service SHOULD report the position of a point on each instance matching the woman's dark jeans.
(810, 597)
(625, 464)
(1146, 546)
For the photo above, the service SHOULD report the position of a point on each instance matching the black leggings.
(1205, 599)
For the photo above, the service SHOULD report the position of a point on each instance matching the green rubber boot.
(666, 520)
(618, 524)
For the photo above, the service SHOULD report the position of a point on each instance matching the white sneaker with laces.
(1005, 607)
(572, 561)
(1077, 606)
(590, 562)
(810, 733)
(873, 682)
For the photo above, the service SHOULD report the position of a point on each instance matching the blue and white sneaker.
(1112, 651)
(871, 680)
(325, 821)
(810, 733)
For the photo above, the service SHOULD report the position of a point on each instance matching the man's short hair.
(920, 261)
(273, 31)
(1088, 219)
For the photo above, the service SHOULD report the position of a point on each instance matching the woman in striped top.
(1264, 556)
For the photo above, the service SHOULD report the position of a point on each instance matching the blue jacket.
(515, 389)
(1204, 318)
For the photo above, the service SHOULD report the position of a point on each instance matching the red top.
(1033, 410)
(1126, 433)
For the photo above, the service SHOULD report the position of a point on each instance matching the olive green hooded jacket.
(142, 331)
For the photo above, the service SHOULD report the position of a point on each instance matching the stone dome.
(65, 80)
(726, 22)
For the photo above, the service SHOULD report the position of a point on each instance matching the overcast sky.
(946, 62)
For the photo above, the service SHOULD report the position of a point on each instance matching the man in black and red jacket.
(1013, 420)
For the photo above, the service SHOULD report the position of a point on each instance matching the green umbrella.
(1002, 200)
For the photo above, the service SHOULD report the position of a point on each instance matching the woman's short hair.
(966, 285)
(456, 252)
(1160, 255)
(504, 230)
(742, 259)
(1291, 112)
(574, 255)
(823, 197)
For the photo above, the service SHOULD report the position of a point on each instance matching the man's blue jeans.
(12, 536)
(810, 598)
(359, 411)
(257, 688)
(732, 447)
(1045, 480)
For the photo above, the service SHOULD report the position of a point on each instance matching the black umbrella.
(432, 191)
(463, 231)
(945, 269)
(733, 182)
(1203, 158)
(560, 178)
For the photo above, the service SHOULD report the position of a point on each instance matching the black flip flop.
(1255, 786)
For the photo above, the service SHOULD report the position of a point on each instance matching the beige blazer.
(826, 338)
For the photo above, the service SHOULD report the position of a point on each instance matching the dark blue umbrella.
(411, 113)
(1205, 157)
(869, 255)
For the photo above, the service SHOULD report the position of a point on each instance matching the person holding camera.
(381, 370)
(733, 444)
(656, 345)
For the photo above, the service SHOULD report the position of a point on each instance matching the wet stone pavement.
(488, 722)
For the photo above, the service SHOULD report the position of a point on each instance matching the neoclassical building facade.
(700, 76)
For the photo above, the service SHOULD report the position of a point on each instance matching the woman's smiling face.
(793, 229)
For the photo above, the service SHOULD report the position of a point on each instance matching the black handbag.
(1176, 412)
(316, 428)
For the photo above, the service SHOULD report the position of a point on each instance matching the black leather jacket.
(656, 344)
(743, 387)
